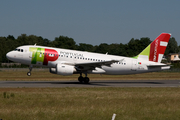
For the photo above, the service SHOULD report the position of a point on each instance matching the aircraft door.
(134, 65)
(30, 54)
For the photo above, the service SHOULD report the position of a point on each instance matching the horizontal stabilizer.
(163, 65)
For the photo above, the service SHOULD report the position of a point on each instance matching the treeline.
(132, 48)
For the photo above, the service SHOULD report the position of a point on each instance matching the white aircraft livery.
(68, 62)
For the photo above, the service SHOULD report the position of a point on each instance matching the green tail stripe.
(146, 51)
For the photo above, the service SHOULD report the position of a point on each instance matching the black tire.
(80, 79)
(86, 80)
(29, 73)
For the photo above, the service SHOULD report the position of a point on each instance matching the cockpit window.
(19, 50)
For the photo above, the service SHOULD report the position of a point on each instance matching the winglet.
(155, 51)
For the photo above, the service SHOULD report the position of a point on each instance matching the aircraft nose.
(9, 55)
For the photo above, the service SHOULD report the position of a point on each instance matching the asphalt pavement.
(100, 83)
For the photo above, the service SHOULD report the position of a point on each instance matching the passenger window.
(21, 50)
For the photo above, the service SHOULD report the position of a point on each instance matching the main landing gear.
(83, 79)
(30, 69)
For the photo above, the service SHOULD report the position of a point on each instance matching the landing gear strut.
(30, 69)
(83, 79)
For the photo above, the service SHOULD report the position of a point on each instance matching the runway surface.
(102, 83)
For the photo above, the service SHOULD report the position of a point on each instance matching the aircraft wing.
(93, 65)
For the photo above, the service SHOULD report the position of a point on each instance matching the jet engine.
(62, 69)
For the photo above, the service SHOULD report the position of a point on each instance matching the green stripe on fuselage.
(37, 55)
(40, 55)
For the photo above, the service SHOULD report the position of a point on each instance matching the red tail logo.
(158, 47)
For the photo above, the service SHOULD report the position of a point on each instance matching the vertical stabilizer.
(155, 51)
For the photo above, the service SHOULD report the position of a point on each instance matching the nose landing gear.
(29, 73)
(30, 69)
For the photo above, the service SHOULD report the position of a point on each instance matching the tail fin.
(155, 51)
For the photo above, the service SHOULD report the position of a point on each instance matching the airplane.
(68, 62)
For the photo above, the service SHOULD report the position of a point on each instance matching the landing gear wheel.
(86, 80)
(80, 79)
(30, 69)
(29, 73)
(83, 79)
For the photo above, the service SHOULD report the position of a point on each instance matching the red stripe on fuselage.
(50, 55)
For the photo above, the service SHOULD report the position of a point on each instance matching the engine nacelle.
(62, 69)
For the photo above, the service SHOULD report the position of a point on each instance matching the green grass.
(46, 76)
(89, 103)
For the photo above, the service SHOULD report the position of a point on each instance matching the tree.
(133, 48)
(63, 42)
(136, 46)
(172, 46)
(114, 49)
(85, 47)
(11, 37)
(102, 48)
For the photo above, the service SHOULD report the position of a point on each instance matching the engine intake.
(62, 69)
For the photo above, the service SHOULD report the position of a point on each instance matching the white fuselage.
(126, 65)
